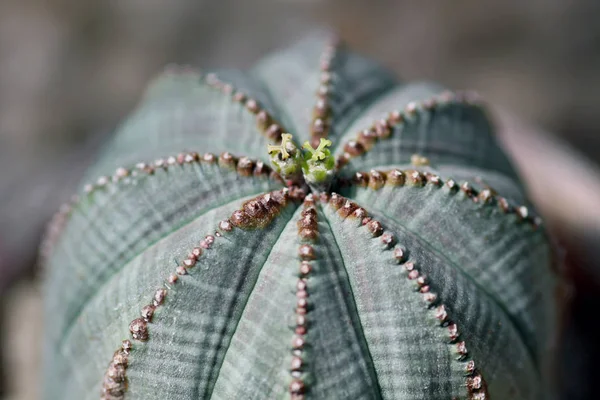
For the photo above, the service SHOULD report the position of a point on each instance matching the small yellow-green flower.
(286, 158)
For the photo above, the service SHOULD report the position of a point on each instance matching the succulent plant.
(388, 252)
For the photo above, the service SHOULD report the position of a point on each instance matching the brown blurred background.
(70, 70)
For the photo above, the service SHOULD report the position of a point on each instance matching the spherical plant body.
(311, 228)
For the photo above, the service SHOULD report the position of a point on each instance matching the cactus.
(388, 252)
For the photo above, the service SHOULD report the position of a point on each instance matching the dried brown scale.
(461, 349)
(336, 201)
(159, 296)
(144, 168)
(375, 228)
(388, 240)
(225, 225)
(252, 106)
(139, 329)
(305, 268)
(207, 242)
(468, 190)
(261, 169)
(347, 209)
(412, 275)
(354, 148)
(504, 206)
(116, 373)
(396, 177)
(297, 387)
(227, 160)
(274, 132)
(147, 312)
(453, 332)
(309, 235)
(261, 210)
(485, 196)
(474, 382)
(244, 166)
(382, 129)
(400, 254)
(433, 179)
(367, 137)
(265, 122)
(114, 384)
(359, 213)
(376, 180)
(360, 179)
(209, 158)
(306, 252)
(416, 178)
(196, 252)
(189, 262)
(452, 185)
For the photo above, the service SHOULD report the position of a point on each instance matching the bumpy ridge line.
(376, 180)
(255, 213)
(382, 129)
(474, 381)
(308, 231)
(244, 166)
(322, 117)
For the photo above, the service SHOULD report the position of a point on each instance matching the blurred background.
(70, 70)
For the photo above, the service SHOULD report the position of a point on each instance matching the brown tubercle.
(261, 210)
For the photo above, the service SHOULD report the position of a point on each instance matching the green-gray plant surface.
(311, 228)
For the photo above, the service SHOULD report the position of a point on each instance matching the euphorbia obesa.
(387, 253)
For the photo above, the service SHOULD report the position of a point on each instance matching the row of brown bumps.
(382, 128)
(308, 231)
(242, 165)
(376, 180)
